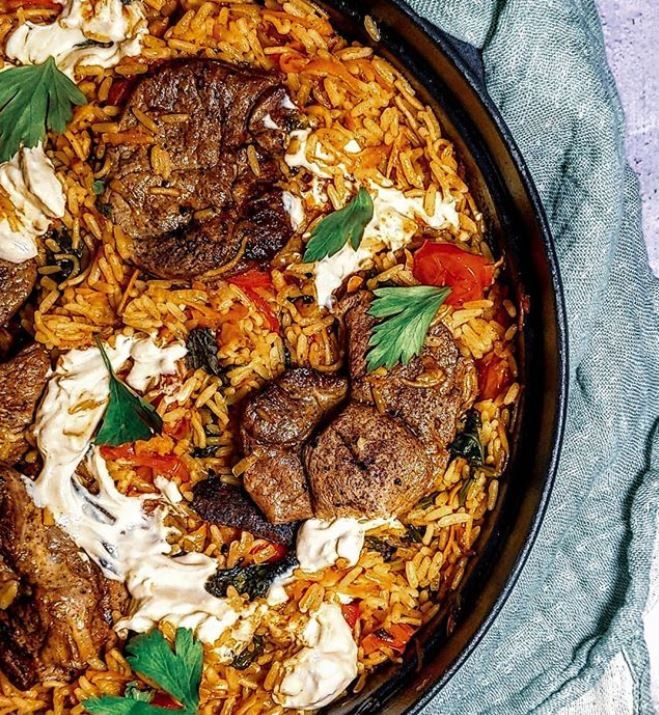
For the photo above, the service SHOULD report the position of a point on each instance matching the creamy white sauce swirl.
(85, 33)
(396, 216)
(324, 667)
(30, 182)
(128, 542)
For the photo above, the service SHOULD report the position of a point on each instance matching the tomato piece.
(395, 637)
(247, 282)
(494, 376)
(278, 551)
(291, 62)
(253, 278)
(12, 5)
(165, 465)
(124, 451)
(350, 613)
(443, 264)
(164, 700)
(119, 91)
(179, 430)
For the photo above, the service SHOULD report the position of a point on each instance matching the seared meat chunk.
(365, 464)
(60, 618)
(22, 380)
(203, 207)
(428, 395)
(274, 426)
(16, 283)
(228, 505)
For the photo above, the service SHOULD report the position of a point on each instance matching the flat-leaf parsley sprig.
(127, 416)
(177, 672)
(331, 234)
(405, 314)
(34, 100)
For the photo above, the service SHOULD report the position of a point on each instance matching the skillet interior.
(445, 76)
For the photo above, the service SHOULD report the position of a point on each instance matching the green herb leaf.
(132, 690)
(127, 417)
(116, 705)
(331, 234)
(406, 314)
(98, 187)
(177, 672)
(467, 444)
(34, 99)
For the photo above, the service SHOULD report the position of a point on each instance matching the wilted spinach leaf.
(249, 654)
(414, 534)
(467, 444)
(254, 580)
(202, 351)
(385, 548)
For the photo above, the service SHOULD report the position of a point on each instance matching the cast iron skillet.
(448, 75)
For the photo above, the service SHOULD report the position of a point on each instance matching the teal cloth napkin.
(581, 595)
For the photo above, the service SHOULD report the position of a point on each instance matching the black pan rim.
(452, 50)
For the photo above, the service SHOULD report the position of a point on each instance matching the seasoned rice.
(347, 92)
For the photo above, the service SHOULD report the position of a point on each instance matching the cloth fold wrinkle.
(580, 598)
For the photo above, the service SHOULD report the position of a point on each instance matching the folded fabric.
(581, 595)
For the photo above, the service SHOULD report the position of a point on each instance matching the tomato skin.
(119, 91)
(395, 637)
(167, 465)
(247, 282)
(350, 613)
(165, 701)
(279, 551)
(494, 376)
(443, 264)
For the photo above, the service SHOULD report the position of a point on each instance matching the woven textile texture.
(580, 598)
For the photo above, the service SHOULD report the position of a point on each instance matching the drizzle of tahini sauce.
(127, 542)
(321, 543)
(33, 188)
(326, 665)
(86, 33)
(396, 217)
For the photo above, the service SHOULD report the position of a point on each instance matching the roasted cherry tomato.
(167, 465)
(350, 613)
(248, 282)
(119, 91)
(443, 264)
(394, 637)
(494, 376)
(278, 551)
(163, 700)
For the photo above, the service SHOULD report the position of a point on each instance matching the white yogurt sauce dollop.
(85, 33)
(324, 667)
(30, 182)
(128, 543)
(396, 217)
(321, 543)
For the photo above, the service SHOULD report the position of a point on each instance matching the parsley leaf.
(34, 99)
(406, 314)
(334, 231)
(127, 417)
(98, 187)
(116, 705)
(177, 672)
